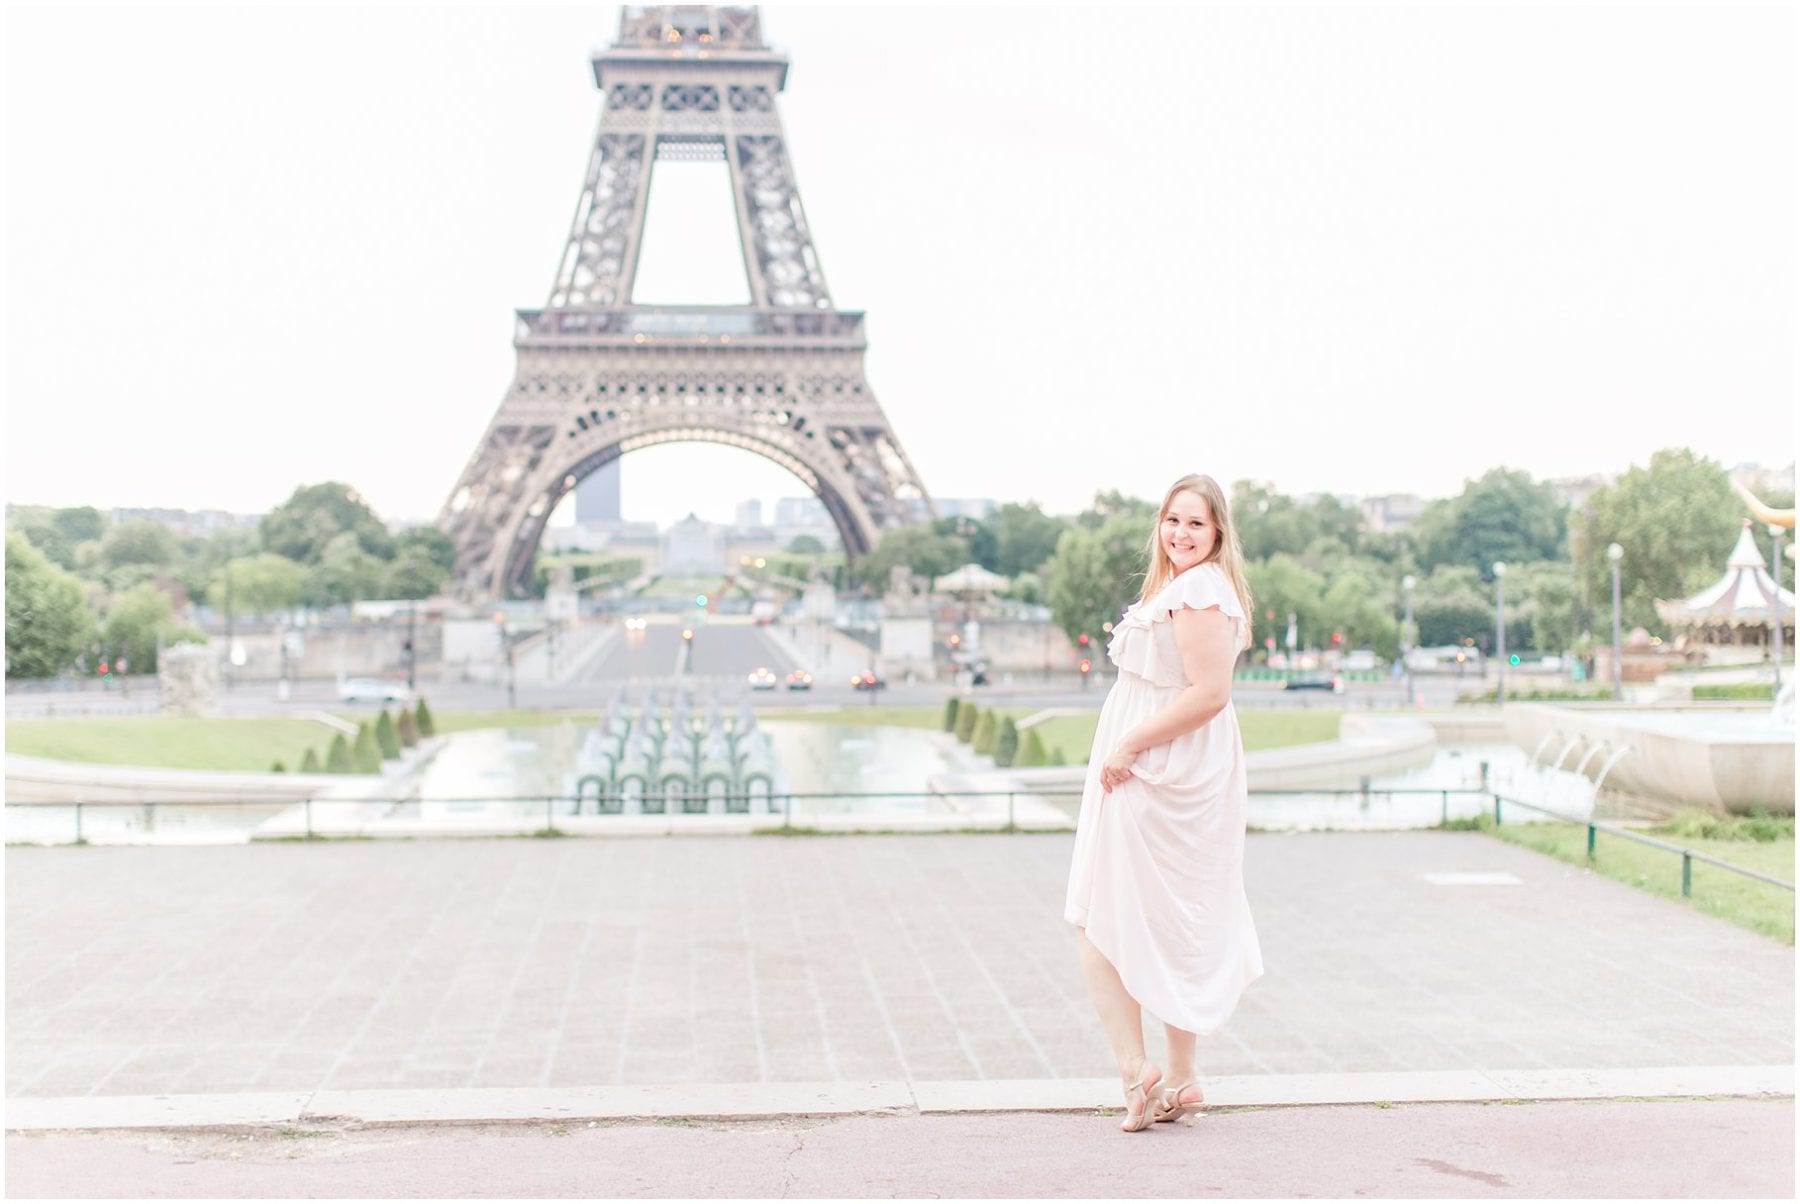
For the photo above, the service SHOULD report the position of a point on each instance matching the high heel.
(1169, 1106)
(1148, 1077)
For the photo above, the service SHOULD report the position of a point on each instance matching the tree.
(337, 757)
(433, 543)
(414, 574)
(1676, 520)
(48, 623)
(1031, 751)
(385, 737)
(134, 620)
(344, 573)
(57, 533)
(805, 545)
(136, 551)
(950, 706)
(257, 585)
(1006, 748)
(1352, 610)
(303, 526)
(1097, 571)
(1025, 537)
(407, 728)
(987, 731)
(926, 552)
(1027, 587)
(365, 754)
(427, 725)
(310, 762)
(967, 716)
(1505, 516)
(1283, 586)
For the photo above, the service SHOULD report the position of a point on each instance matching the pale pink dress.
(1158, 874)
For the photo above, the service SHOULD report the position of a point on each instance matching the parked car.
(1315, 681)
(762, 678)
(866, 680)
(370, 689)
(636, 623)
(799, 679)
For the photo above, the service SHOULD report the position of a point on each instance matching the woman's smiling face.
(1188, 532)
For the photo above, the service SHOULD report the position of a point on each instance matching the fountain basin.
(1666, 760)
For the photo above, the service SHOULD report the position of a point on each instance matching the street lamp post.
(230, 630)
(1500, 632)
(1406, 587)
(1615, 553)
(1775, 605)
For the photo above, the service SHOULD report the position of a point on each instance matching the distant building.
(965, 507)
(597, 496)
(1573, 492)
(1392, 511)
(692, 547)
(749, 514)
(801, 512)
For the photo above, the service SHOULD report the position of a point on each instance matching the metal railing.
(1688, 856)
(677, 804)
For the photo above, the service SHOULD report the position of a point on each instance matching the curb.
(752, 1101)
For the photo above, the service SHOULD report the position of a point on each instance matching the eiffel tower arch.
(599, 377)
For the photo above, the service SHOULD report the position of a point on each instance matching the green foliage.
(1055, 756)
(1759, 826)
(344, 572)
(407, 728)
(950, 707)
(57, 533)
(133, 622)
(584, 566)
(805, 545)
(436, 546)
(310, 762)
(302, 527)
(1024, 537)
(1505, 516)
(926, 552)
(977, 536)
(337, 757)
(427, 726)
(987, 731)
(365, 754)
(414, 574)
(138, 542)
(966, 717)
(1553, 694)
(385, 737)
(1031, 750)
(1098, 568)
(255, 585)
(1676, 520)
(48, 623)
(1006, 747)
(1750, 690)
(1029, 588)
(278, 767)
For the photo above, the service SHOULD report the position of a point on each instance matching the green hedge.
(1752, 690)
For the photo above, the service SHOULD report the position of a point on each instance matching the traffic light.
(687, 633)
(1087, 666)
(1337, 637)
(1513, 659)
(1082, 639)
(105, 668)
(700, 601)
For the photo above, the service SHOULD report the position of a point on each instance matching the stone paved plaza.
(531, 962)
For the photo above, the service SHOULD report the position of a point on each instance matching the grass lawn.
(1755, 905)
(171, 742)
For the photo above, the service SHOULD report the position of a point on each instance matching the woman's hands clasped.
(1115, 769)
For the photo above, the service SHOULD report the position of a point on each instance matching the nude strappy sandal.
(1140, 1090)
(1167, 1105)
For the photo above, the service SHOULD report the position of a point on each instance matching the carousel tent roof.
(971, 578)
(1745, 594)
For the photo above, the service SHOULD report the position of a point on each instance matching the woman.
(1156, 890)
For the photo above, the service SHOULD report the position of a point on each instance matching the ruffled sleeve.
(1143, 643)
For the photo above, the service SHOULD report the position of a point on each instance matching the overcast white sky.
(1364, 250)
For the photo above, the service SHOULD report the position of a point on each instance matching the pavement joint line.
(751, 1101)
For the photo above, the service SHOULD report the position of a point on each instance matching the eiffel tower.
(599, 377)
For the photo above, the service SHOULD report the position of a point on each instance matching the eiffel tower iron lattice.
(599, 377)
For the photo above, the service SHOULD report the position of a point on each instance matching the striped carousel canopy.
(1745, 595)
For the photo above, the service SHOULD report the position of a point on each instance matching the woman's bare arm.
(1206, 640)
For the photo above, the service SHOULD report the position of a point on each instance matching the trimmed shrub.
(1006, 748)
(365, 754)
(966, 715)
(278, 767)
(1056, 756)
(385, 739)
(407, 728)
(310, 762)
(337, 760)
(1031, 750)
(987, 734)
(950, 713)
(426, 726)
(1751, 690)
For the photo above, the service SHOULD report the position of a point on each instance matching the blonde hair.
(1227, 553)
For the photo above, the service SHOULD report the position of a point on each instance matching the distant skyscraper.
(749, 513)
(597, 497)
(800, 512)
